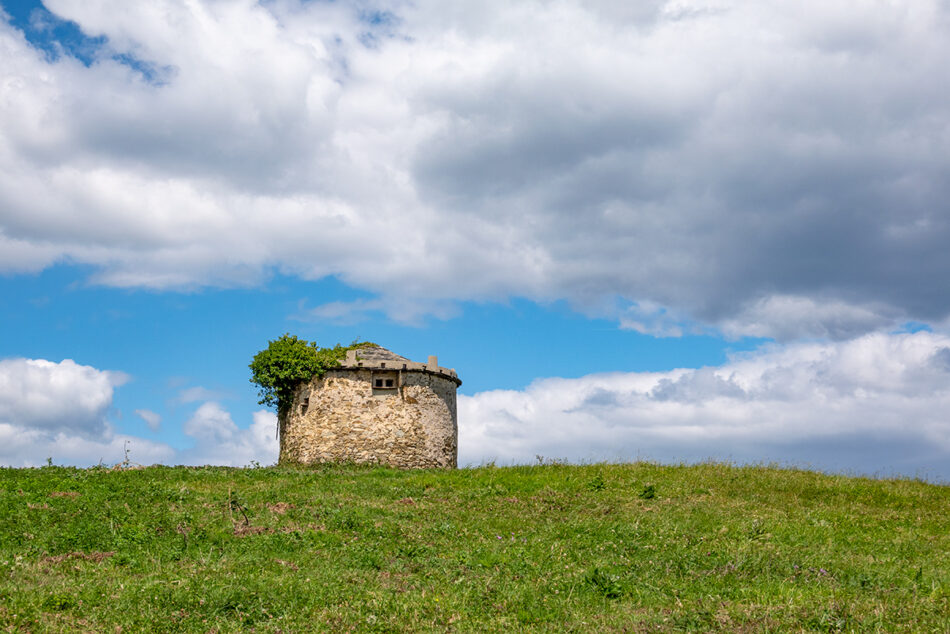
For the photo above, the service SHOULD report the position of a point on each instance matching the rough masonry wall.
(414, 427)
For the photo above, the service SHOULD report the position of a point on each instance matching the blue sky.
(50, 33)
(635, 229)
(168, 342)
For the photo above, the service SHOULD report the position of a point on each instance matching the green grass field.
(636, 547)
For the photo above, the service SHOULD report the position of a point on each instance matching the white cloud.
(152, 419)
(729, 161)
(28, 447)
(60, 411)
(875, 404)
(211, 424)
(219, 441)
(52, 397)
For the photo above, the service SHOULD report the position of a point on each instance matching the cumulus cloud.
(60, 411)
(219, 441)
(53, 397)
(877, 404)
(726, 162)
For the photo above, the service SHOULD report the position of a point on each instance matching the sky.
(676, 231)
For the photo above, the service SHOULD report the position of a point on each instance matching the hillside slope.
(635, 547)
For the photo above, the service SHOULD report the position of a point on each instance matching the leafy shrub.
(286, 362)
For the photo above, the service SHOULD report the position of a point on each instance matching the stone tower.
(377, 407)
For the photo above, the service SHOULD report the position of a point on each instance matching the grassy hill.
(636, 547)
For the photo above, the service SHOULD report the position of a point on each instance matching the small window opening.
(385, 383)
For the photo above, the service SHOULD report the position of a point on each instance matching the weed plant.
(634, 547)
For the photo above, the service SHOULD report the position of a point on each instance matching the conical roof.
(376, 357)
(378, 353)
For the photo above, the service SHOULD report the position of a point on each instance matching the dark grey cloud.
(941, 359)
(751, 167)
(803, 166)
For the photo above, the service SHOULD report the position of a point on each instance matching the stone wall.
(342, 418)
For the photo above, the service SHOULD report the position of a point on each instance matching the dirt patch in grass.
(288, 564)
(243, 531)
(395, 581)
(279, 507)
(93, 556)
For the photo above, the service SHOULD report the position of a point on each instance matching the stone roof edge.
(407, 366)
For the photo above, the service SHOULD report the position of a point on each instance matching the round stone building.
(376, 407)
